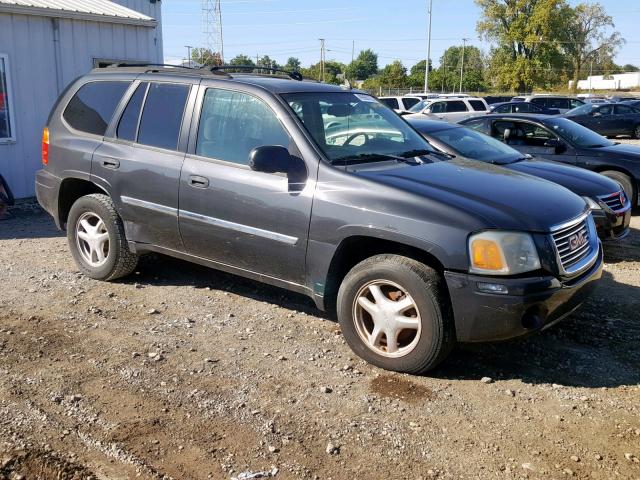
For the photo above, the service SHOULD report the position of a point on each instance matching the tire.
(636, 132)
(420, 347)
(625, 182)
(109, 257)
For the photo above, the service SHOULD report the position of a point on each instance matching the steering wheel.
(356, 135)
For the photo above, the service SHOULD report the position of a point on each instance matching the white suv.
(400, 104)
(452, 109)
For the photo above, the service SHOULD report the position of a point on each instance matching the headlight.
(502, 253)
(593, 205)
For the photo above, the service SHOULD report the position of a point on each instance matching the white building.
(619, 81)
(45, 45)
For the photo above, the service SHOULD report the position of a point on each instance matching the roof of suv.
(273, 83)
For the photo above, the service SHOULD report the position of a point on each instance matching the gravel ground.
(187, 373)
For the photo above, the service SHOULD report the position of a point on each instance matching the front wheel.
(395, 314)
(625, 182)
(636, 132)
(97, 239)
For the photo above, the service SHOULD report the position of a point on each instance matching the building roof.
(93, 10)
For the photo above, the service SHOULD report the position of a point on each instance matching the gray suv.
(317, 189)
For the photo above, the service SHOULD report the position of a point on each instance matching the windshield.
(348, 125)
(582, 109)
(418, 107)
(477, 146)
(577, 135)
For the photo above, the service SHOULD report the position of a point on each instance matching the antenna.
(212, 27)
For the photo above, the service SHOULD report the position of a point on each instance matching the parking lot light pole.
(464, 44)
(426, 67)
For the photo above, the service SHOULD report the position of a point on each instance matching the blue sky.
(394, 29)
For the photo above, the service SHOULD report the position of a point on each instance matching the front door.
(235, 216)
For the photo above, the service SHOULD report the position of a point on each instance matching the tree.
(266, 62)
(587, 37)
(364, 66)
(293, 64)
(333, 71)
(627, 67)
(527, 35)
(394, 75)
(206, 57)
(241, 59)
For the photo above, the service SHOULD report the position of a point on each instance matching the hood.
(580, 181)
(503, 198)
(623, 149)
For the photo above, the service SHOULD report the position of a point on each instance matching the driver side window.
(234, 123)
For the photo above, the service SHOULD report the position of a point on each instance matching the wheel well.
(353, 250)
(604, 168)
(70, 191)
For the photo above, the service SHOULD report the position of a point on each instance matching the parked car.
(413, 254)
(616, 99)
(400, 104)
(521, 107)
(632, 103)
(557, 102)
(492, 99)
(611, 214)
(609, 119)
(6, 197)
(451, 109)
(562, 140)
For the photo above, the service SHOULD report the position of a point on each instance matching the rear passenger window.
(91, 108)
(410, 102)
(541, 102)
(390, 102)
(162, 115)
(478, 106)
(128, 126)
(233, 123)
(456, 106)
(558, 103)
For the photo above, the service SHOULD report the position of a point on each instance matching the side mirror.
(556, 144)
(270, 159)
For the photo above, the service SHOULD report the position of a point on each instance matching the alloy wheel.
(92, 239)
(387, 318)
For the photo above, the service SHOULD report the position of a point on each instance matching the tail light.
(45, 146)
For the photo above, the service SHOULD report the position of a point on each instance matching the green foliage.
(393, 75)
(332, 70)
(293, 64)
(363, 67)
(206, 57)
(241, 60)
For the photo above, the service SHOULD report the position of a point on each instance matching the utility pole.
(464, 44)
(353, 50)
(443, 77)
(189, 47)
(212, 27)
(322, 57)
(590, 78)
(426, 68)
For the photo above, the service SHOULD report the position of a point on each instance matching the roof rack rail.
(293, 75)
(166, 65)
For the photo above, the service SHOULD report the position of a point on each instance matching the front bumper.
(532, 304)
(612, 225)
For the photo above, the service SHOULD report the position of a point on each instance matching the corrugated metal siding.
(29, 42)
(96, 7)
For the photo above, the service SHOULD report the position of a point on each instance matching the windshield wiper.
(371, 157)
(423, 153)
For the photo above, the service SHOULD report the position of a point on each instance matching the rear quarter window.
(410, 102)
(91, 108)
(390, 102)
(477, 105)
(456, 106)
(541, 102)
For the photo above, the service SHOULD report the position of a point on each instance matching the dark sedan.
(612, 215)
(522, 107)
(608, 119)
(560, 139)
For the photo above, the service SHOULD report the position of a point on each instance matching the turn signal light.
(486, 254)
(45, 146)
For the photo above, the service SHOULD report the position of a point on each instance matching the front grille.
(616, 201)
(573, 243)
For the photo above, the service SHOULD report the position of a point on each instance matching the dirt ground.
(183, 372)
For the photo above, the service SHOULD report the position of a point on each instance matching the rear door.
(626, 119)
(141, 158)
(230, 214)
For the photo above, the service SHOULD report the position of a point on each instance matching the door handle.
(198, 181)
(111, 163)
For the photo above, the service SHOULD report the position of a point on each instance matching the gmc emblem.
(577, 240)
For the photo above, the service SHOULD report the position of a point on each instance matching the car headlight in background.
(502, 253)
(591, 203)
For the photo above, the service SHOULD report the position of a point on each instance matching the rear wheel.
(97, 240)
(395, 314)
(625, 182)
